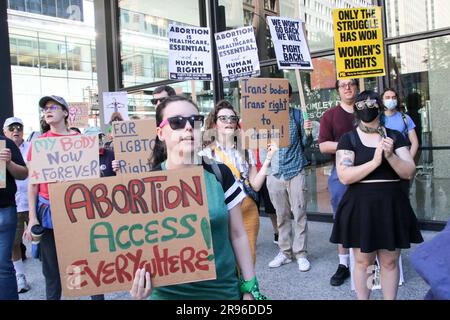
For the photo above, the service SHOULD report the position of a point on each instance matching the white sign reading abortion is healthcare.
(290, 44)
(189, 53)
(238, 54)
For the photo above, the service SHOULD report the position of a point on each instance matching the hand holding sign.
(142, 285)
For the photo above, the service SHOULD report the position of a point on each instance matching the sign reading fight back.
(106, 229)
(265, 112)
(290, 44)
(358, 42)
(65, 158)
(133, 144)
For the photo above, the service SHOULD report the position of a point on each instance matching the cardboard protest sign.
(265, 111)
(238, 54)
(78, 115)
(2, 167)
(65, 158)
(114, 102)
(189, 53)
(358, 43)
(133, 144)
(291, 48)
(106, 229)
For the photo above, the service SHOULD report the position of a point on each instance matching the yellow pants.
(250, 215)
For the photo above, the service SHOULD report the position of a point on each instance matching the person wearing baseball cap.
(13, 129)
(15, 169)
(56, 113)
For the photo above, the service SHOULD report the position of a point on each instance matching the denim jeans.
(8, 284)
(336, 190)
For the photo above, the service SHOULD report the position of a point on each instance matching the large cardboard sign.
(133, 144)
(189, 53)
(106, 229)
(78, 115)
(238, 54)
(114, 102)
(64, 158)
(358, 43)
(265, 111)
(291, 48)
(2, 167)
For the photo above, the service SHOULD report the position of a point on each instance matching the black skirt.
(373, 216)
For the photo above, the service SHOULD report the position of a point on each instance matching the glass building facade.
(53, 46)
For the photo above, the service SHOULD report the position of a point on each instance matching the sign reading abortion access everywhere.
(78, 115)
(115, 102)
(2, 167)
(189, 53)
(133, 144)
(64, 158)
(358, 43)
(238, 54)
(107, 228)
(265, 112)
(290, 44)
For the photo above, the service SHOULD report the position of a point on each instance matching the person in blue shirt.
(286, 189)
(397, 120)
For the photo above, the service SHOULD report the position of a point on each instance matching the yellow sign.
(358, 43)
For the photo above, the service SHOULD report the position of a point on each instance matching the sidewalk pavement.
(285, 282)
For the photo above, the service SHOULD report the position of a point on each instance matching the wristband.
(251, 286)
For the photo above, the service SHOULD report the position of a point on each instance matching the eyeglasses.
(52, 107)
(345, 85)
(155, 101)
(360, 105)
(228, 119)
(179, 122)
(17, 127)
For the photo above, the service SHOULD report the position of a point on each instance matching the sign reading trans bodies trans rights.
(238, 54)
(107, 228)
(358, 42)
(290, 44)
(64, 158)
(133, 144)
(189, 53)
(265, 112)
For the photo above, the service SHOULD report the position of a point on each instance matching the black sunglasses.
(179, 122)
(13, 127)
(156, 100)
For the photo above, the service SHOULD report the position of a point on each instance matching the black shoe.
(275, 238)
(339, 277)
(23, 251)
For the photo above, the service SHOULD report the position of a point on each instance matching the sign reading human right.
(358, 40)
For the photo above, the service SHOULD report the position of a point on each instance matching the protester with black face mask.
(374, 217)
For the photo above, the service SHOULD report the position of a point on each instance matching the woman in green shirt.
(177, 120)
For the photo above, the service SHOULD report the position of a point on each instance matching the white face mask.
(390, 104)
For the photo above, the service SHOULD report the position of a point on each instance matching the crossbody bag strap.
(405, 122)
(227, 162)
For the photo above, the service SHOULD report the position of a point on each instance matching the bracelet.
(251, 286)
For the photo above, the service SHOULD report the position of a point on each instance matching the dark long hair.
(159, 151)
(371, 95)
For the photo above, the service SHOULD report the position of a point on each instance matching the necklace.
(366, 129)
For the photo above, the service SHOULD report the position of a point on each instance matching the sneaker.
(279, 260)
(275, 238)
(339, 277)
(22, 285)
(303, 264)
